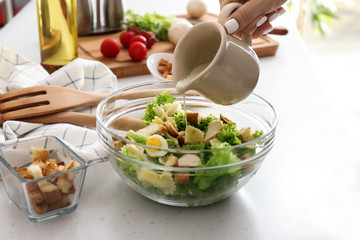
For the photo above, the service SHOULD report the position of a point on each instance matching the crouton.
(23, 172)
(181, 138)
(163, 65)
(40, 163)
(35, 195)
(65, 185)
(193, 118)
(226, 120)
(55, 205)
(169, 67)
(50, 168)
(41, 208)
(193, 135)
(50, 192)
(245, 156)
(118, 144)
(171, 129)
(39, 154)
(35, 171)
(182, 178)
(162, 68)
(245, 134)
(71, 165)
(65, 200)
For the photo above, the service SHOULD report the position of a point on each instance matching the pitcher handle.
(226, 12)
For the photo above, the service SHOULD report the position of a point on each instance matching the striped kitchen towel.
(18, 72)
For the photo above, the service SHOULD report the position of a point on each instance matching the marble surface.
(307, 188)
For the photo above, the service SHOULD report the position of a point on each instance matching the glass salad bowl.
(173, 161)
(43, 176)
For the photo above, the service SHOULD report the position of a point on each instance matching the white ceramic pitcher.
(233, 67)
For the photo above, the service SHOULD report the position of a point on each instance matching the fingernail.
(273, 16)
(268, 30)
(261, 21)
(281, 11)
(231, 26)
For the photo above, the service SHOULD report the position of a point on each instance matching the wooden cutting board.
(123, 66)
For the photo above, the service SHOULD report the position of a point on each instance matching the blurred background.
(335, 56)
(331, 34)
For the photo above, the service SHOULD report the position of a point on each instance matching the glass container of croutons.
(43, 176)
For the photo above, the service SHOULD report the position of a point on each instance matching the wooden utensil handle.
(80, 119)
(86, 120)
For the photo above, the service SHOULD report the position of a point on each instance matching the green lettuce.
(129, 168)
(161, 99)
(137, 137)
(205, 122)
(218, 179)
(229, 134)
(156, 23)
(258, 133)
(180, 121)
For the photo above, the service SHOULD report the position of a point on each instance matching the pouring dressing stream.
(221, 67)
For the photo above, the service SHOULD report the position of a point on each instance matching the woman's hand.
(253, 17)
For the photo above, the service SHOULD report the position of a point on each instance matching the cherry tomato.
(110, 48)
(137, 51)
(125, 38)
(138, 38)
(135, 30)
(148, 34)
(151, 42)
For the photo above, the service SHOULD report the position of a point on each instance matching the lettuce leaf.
(205, 122)
(129, 168)
(209, 179)
(180, 121)
(137, 137)
(229, 134)
(156, 23)
(161, 99)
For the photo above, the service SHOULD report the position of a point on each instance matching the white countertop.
(307, 188)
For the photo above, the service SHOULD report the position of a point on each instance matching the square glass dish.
(50, 194)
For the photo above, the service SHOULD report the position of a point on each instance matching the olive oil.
(57, 32)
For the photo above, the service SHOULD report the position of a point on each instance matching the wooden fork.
(43, 100)
(48, 99)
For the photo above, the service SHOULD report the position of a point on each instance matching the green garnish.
(156, 23)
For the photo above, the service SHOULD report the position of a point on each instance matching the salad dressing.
(183, 84)
(185, 110)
